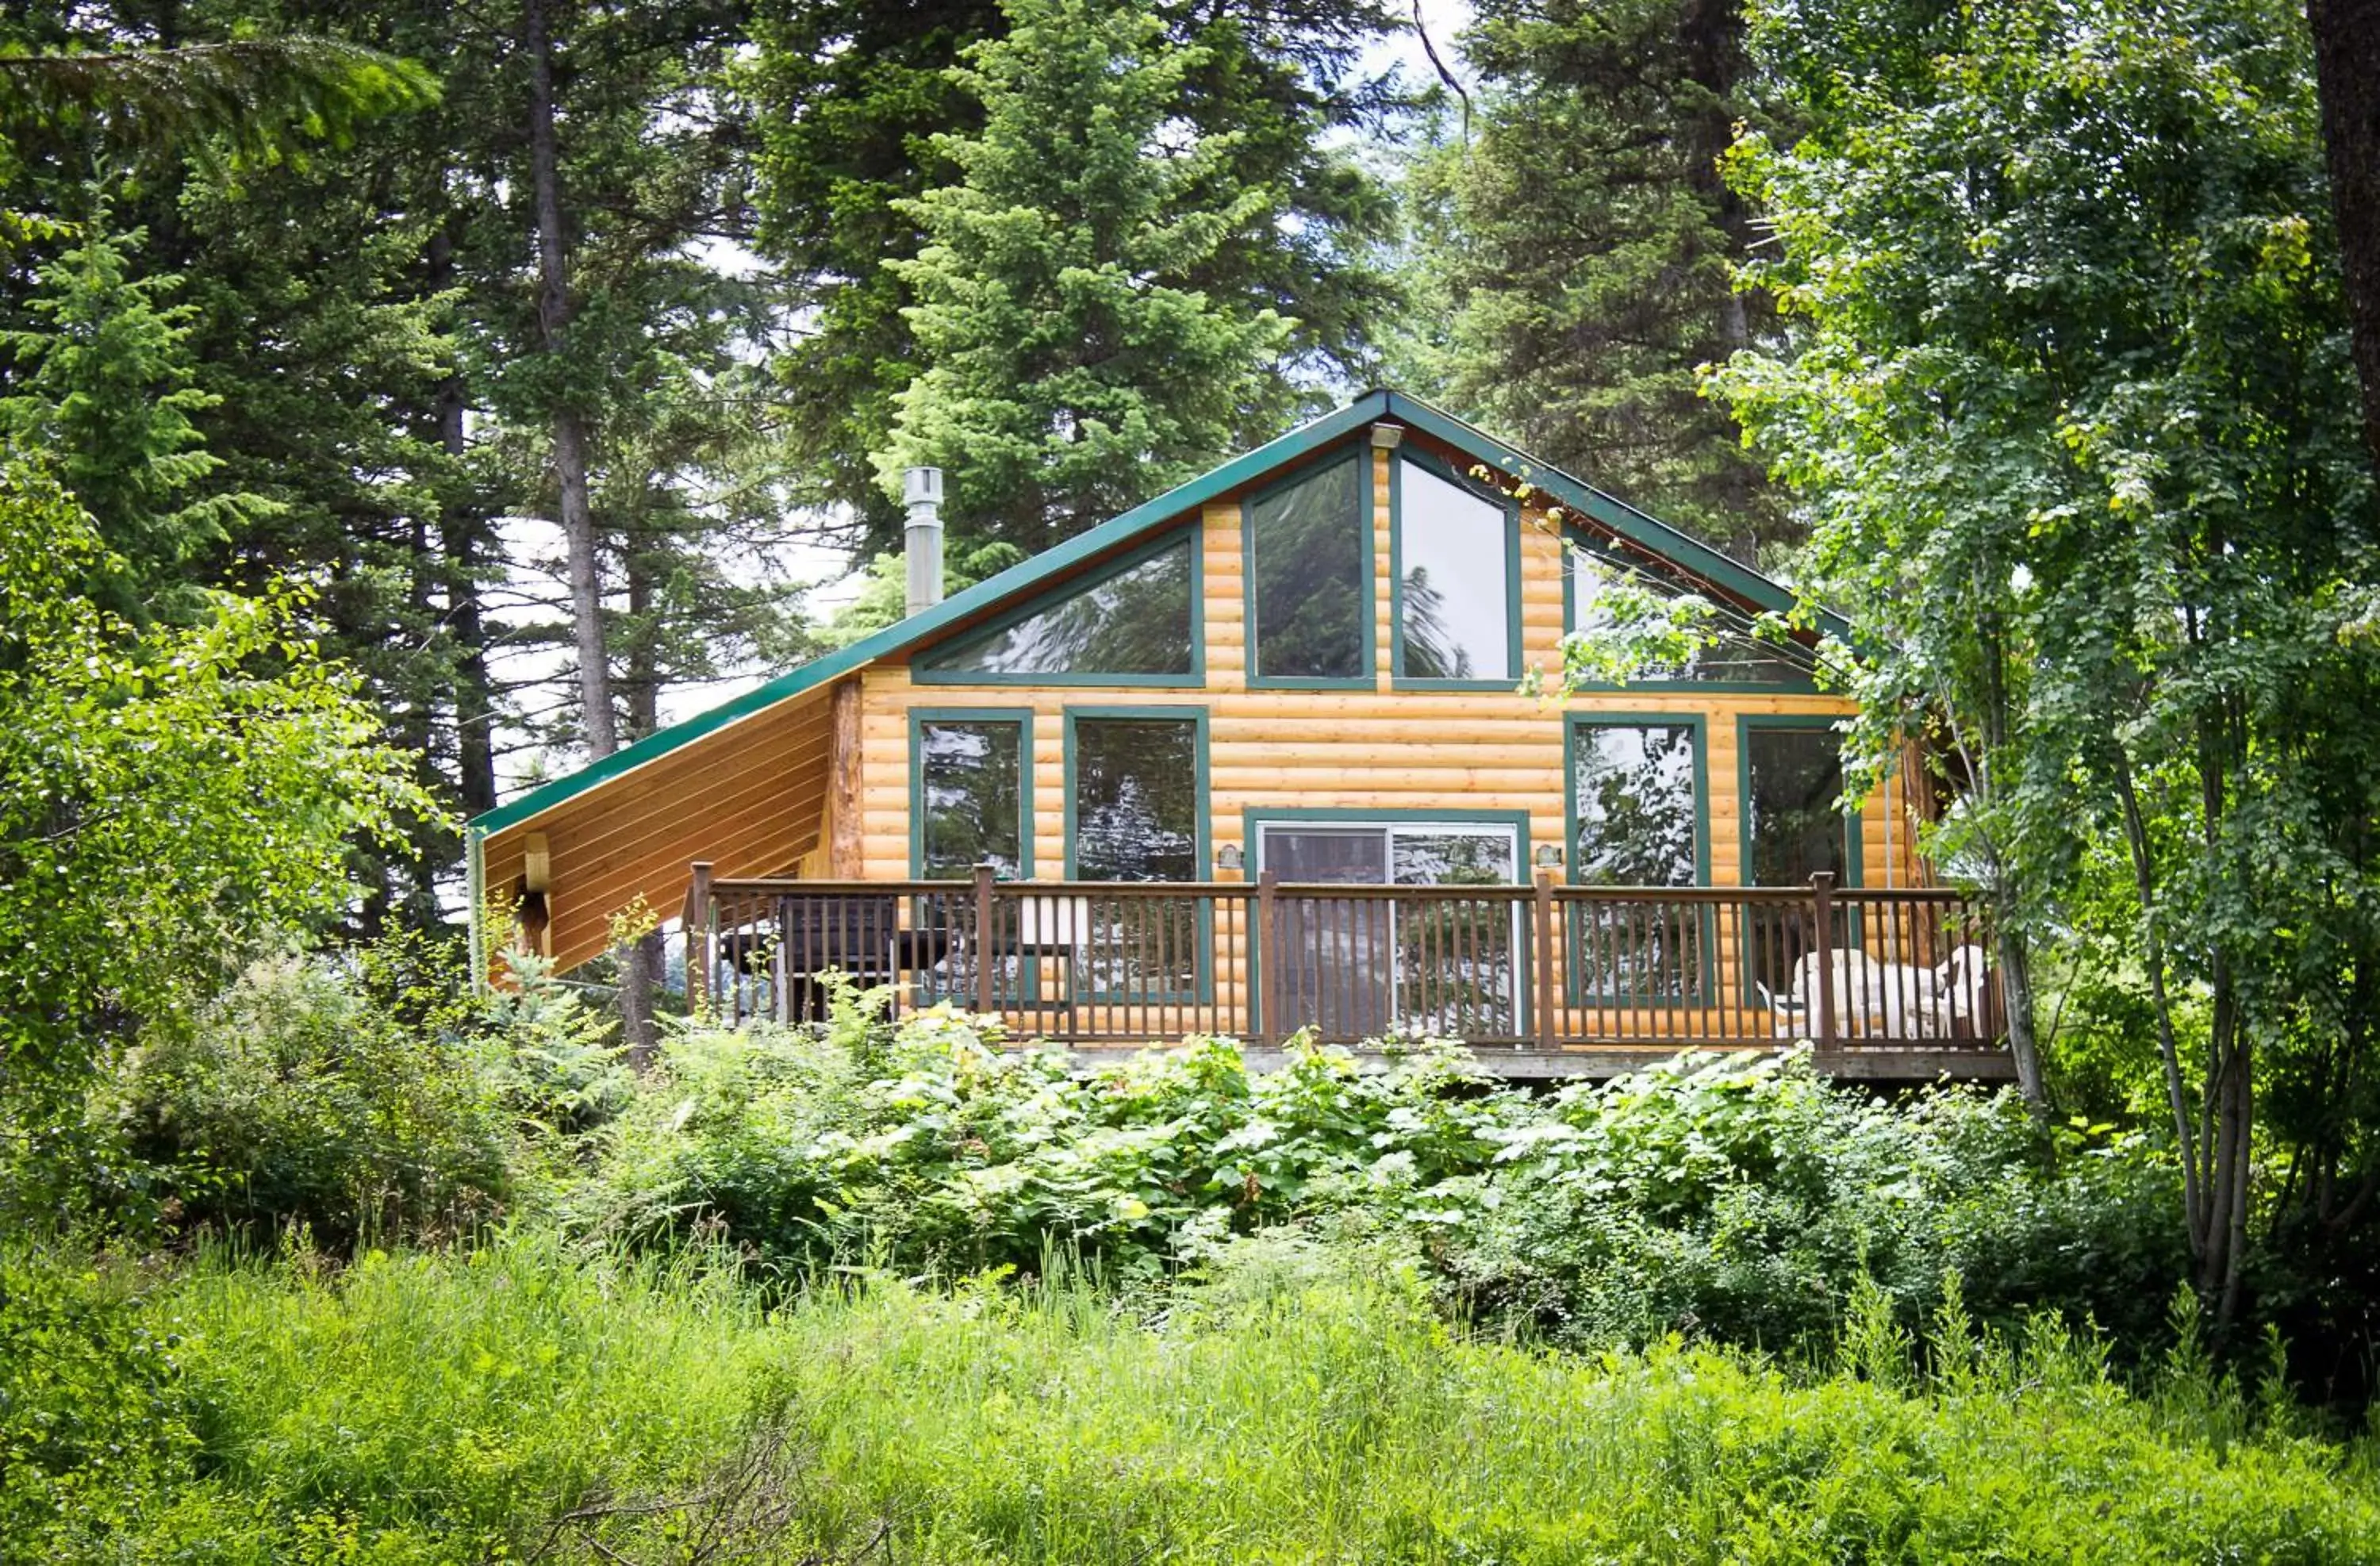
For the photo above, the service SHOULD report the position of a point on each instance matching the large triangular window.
(1134, 623)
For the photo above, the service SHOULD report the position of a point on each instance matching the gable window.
(1636, 800)
(1736, 657)
(1309, 562)
(1455, 569)
(973, 785)
(1136, 624)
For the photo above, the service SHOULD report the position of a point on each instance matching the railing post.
(983, 995)
(1822, 908)
(1268, 959)
(1545, 923)
(695, 922)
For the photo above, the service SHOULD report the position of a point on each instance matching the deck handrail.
(1539, 967)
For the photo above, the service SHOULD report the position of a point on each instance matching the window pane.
(1310, 544)
(1135, 799)
(1797, 782)
(1737, 657)
(1136, 622)
(968, 781)
(1454, 548)
(1634, 787)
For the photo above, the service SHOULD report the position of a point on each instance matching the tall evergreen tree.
(1071, 367)
(852, 97)
(1581, 240)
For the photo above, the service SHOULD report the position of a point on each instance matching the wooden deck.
(1543, 980)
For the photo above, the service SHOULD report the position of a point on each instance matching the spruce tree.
(1582, 241)
(1070, 370)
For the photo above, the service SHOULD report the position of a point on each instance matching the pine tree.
(1582, 240)
(1070, 370)
(102, 383)
(853, 101)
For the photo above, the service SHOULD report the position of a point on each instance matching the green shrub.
(367, 1094)
(1738, 1199)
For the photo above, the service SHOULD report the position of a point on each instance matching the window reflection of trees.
(1454, 968)
(1310, 550)
(1634, 792)
(969, 780)
(1795, 827)
(1454, 551)
(1136, 622)
(1136, 819)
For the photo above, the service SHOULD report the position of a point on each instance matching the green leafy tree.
(1577, 238)
(1071, 368)
(2074, 418)
(170, 799)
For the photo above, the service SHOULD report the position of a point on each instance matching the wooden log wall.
(1349, 749)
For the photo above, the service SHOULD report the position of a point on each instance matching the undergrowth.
(1297, 1402)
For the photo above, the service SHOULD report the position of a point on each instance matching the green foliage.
(1072, 367)
(860, 109)
(2072, 413)
(105, 390)
(1739, 1201)
(1294, 1405)
(170, 799)
(365, 1097)
(91, 1420)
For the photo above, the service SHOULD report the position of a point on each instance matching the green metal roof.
(1027, 576)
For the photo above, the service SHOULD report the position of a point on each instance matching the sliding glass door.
(1364, 965)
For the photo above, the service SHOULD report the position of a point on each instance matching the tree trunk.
(641, 960)
(2347, 69)
(570, 441)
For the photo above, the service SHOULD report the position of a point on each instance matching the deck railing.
(1856, 971)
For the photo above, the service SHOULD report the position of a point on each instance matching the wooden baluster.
(1822, 907)
(1544, 921)
(984, 997)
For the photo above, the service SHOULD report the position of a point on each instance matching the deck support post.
(1544, 932)
(1822, 910)
(699, 950)
(983, 987)
(1268, 961)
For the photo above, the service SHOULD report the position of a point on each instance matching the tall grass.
(1301, 1406)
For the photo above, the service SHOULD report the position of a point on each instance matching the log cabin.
(1287, 750)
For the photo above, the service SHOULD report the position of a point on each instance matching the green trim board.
(1705, 991)
(475, 888)
(1256, 815)
(1184, 535)
(1020, 716)
(1398, 678)
(1051, 565)
(1203, 827)
(1360, 455)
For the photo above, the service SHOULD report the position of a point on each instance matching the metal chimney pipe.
(921, 490)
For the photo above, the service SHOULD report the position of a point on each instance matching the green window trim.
(1705, 991)
(1573, 538)
(1202, 992)
(1187, 536)
(1369, 679)
(1398, 678)
(919, 717)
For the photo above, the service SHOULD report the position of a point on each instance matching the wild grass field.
(524, 1401)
